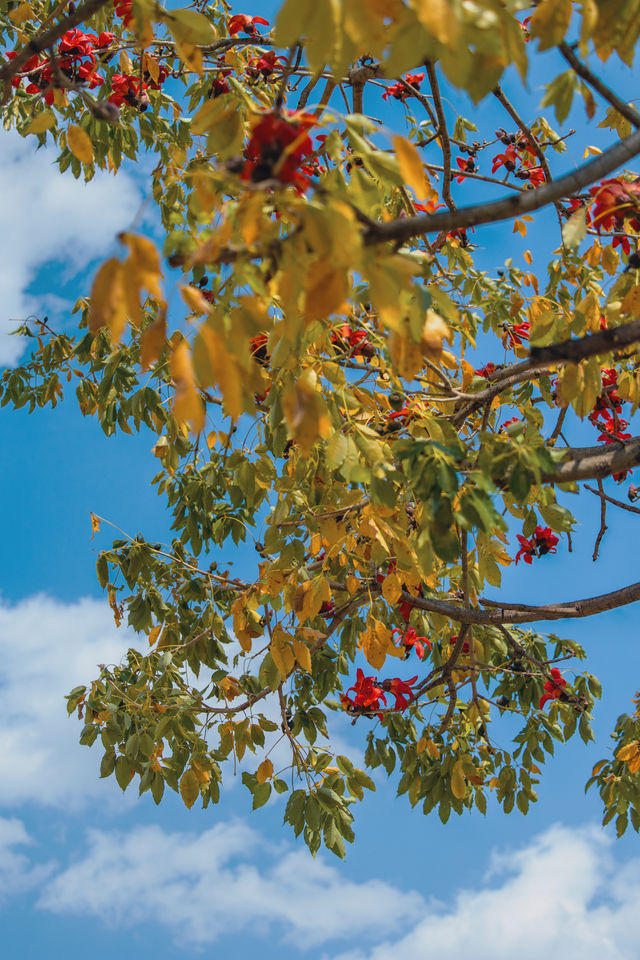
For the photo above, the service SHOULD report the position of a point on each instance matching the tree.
(327, 388)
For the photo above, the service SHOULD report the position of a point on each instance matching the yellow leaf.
(95, 524)
(550, 22)
(281, 652)
(305, 412)
(631, 302)
(302, 654)
(434, 332)
(264, 771)
(108, 308)
(43, 121)
(194, 299)
(406, 355)
(519, 227)
(153, 340)
(189, 788)
(215, 366)
(527, 256)
(421, 745)
(125, 62)
(634, 763)
(154, 633)
(21, 14)
(627, 752)
(432, 749)
(391, 589)
(439, 18)
(80, 144)
(326, 288)
(352, 583)
(458, 785)
(187, 404)
(411, 167)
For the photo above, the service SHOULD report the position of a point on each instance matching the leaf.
(282, 652)
(187, 404)
(302, 654)
(189, 787)
(80, 144)
(264, 771)
(43, 121)
(575, 229)
(305, 412)
(140, 271)
(215, 366)
(458, 784)
(550, 22)
(21, 14)
(631, 302)
(153, 340)
(108, 308)
(391, 589)
(194, 299)
(95, 524)
(326, 287)
(435, 330)
(411, 167)
(627, 752)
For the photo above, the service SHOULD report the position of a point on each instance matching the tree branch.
(508, 207)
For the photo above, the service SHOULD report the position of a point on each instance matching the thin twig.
(603, 521)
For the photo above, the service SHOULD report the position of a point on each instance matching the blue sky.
(81, 863)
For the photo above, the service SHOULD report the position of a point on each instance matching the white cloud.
(16, 873)
(200, 886)
(562, 895)
(47, 648)
(50, 218)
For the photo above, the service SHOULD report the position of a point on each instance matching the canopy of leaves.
(325, 397)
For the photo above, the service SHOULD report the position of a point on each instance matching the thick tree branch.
(522, 613)
(43, 41)
(596, 463)
(508, 207)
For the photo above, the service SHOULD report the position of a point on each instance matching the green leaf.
(575, 229)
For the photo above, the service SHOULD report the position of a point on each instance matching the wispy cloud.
(563, 895)
(46, 648)
(50, 219)
(16, 872)
(201, 886)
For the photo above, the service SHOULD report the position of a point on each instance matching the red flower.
(368, 695)
(125, 89)
(487, 371)
(277, 148)
(465, 645)
(429, 207)
(409, 639)
(616, 200)
(242, 23)
(124, 10)
(401, 690)
(508, 423)
(508, 159)
(264, 64)
(514, 335)
(220, 85)
(535, 173)
(354, 342)
(259, 349)
(399, 92)
(623, 242)
(553, 688)
(542, 542)
(105, 39)
(75, 43)
(468, 164)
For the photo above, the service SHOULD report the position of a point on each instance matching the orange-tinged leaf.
(154, 633)
(264, 771)
(189, 787)
(187, 404)
(634, 763)
(302, 654)
(434, 332)
(627, 752)
(282, 652)
(215, 366)
(20, 15)
(80, 144)
(95, 524)
(153, 340)
(411, 167)
(305, 412)
(432, 749)
(194, 299)
(108, 307)
(631, 302)
(421, 745)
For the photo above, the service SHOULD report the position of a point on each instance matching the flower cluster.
(518, 158)
(614, 202)
(277, 149)
(553, 688)
(514, 333)
(543, 541)
(398, 91)
(77, 61)
(606, 415)
(355, 343)
(264, 65)
(369, 695)
(487, 371)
